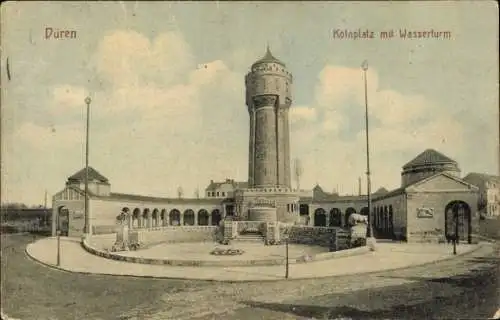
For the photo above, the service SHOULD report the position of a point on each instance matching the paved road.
(462, 288)
(466, 287)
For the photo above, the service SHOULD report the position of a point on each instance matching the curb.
(479, 246)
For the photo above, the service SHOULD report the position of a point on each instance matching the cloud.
(331, 139)
(162, 119)
(68, 97)
(127, 58)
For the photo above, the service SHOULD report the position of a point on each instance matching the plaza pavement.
(388, 256)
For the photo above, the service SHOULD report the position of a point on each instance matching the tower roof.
(268, 58)
(93, 175)
(429, 157)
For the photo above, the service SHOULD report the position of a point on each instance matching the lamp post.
(456, 237)
(58, 247)
(287, 266)
(364, 66)
(87, 229)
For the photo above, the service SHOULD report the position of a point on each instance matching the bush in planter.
(135, 246)
(226, 252)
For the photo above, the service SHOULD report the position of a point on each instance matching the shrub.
(358, 242)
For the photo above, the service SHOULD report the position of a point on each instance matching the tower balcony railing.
(269, 190)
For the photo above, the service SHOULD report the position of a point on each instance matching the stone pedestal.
(228, 231)
(277, 233)
(122, 234)
(122, 239)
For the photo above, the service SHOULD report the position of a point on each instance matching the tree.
(297, 169)
(180, 192)
(197, 193)
(14, 205)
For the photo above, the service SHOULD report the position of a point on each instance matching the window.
(223, 194)
(217, 193)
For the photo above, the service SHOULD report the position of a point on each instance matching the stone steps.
(250, 237)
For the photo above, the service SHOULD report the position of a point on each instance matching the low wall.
(152, 236)
(220, 263)
(176, 234)
(104, 229)
(320, 236)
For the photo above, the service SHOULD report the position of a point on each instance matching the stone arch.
(380, 217)
(62, 223)
(304, 213)
(386, 219)
(391, 221)
(136, 217)
(155, 217)
(203, 217)
(304, 209)
(320, 217)
(348, 213)
(174, 217)
(364, 211)
(335, 218)
(216, 217)
(458, 218)
(146, 218)
(163, 217)
(189, 217)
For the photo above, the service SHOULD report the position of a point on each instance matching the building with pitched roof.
(431, 199)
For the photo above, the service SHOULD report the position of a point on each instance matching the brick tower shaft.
(268, 98)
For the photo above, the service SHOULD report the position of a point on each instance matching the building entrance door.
(458, 221)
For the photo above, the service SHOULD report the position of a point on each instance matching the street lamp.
(87, 229)
(364, 66)
(286, 234)
(456, 238)
(58, 232)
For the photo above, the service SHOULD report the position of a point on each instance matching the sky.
(168, 99)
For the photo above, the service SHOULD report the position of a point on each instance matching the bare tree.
(297, 169)
(180, 192)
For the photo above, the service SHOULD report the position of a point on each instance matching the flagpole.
(364, 66)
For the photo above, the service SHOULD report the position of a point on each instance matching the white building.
(489, 192)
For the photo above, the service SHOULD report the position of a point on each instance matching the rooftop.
(483, 177)
(268, 58)
(429, 157)
(93, 175)
(236, 184)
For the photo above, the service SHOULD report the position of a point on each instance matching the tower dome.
(427, 164)
(268, 58)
